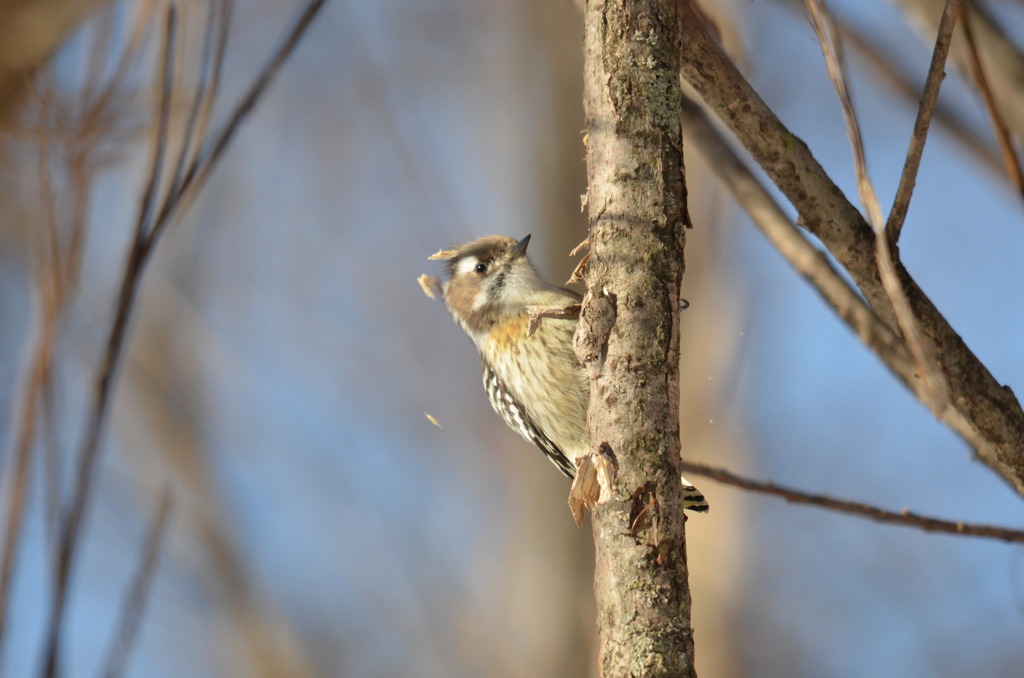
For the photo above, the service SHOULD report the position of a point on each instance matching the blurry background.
(282, 359)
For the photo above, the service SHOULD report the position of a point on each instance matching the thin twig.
(148, 230)
(1013, 169)
(52, 286)
(18, 480)
(135, 601)
(936, 391)
(886, 65)
(213, 149)
(223, 27)
(903, 518)
(160, 140)
(826, 33)
(199, 99)
(929, 99)
(129, 287)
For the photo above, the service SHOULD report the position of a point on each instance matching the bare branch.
(929, 99)
(903, 518)
(628, 334)
(148, 230)
(982, 411)
(135, 602)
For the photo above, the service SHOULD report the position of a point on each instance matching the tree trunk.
(629, 332)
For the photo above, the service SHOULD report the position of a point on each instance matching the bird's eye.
(480, 268)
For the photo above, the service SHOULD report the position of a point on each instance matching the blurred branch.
(929, 98)
(210, 152)
(995, 115)
(211, 63)
(138, 594)
(57, 272)
(137, 252)
(150, 225)
(30, 31)
(981, 410)
(18, 479)
(1003, 61)
(904, 518)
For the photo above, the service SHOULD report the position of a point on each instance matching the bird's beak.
(520, 248)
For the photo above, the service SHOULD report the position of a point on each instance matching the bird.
(533, 380)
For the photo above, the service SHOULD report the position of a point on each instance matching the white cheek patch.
(481, 299)
(467, 265)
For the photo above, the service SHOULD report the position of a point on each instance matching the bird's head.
(489, 281)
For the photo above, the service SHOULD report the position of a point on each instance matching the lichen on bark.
(637, 198)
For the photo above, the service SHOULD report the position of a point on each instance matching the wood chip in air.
(432, 420)
(442, 254)
(430, 285)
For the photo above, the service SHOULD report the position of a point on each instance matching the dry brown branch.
(1003, 59)
(982, 411)
(929, 99)
(804, 257)
(151, 223)
(1010, 160)
(135, 602)
(903, 518)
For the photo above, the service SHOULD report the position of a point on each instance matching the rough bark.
(629, 332)
(984, 412)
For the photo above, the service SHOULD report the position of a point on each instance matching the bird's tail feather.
(693, 500)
